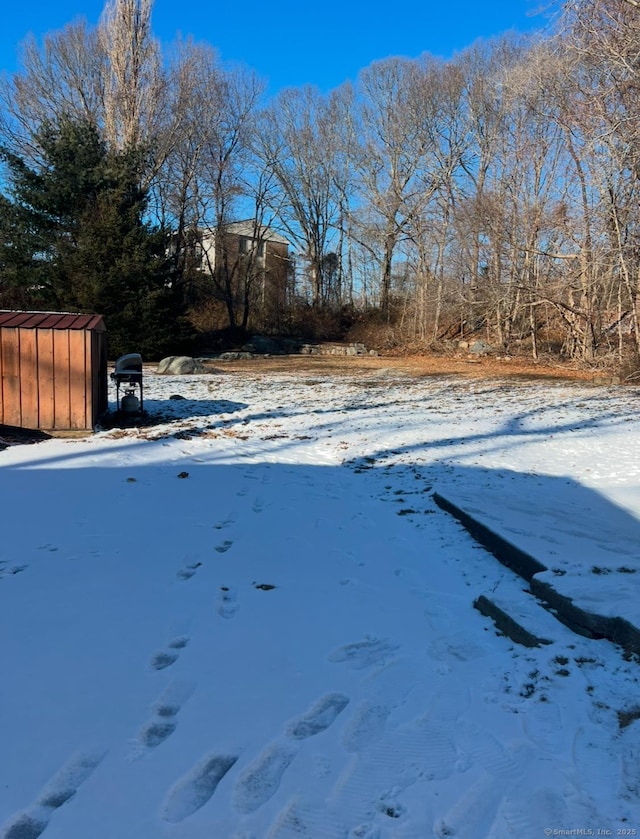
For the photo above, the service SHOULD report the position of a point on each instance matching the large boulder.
(180, 365)
(480, 348)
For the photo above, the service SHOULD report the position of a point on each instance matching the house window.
(243, 245)
(260, 250)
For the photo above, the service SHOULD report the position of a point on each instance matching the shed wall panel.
(28, 348)
(46, 401)
(78, 393)
(61, 380)
(99, 386)
(11, 413)
(89, 376)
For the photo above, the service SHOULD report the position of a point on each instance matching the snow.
(282, 642)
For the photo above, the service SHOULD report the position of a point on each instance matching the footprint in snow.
(194, 789)
(12, 570)
(529, 812)
(319, 717)
(61, 788)
(366, 726)
(543, 725)
(227, 602)
(163, 721)
(387, 689)
(474, 813)
(599, 771)
(365, 831)
(188, 571)
(366, 653)
(483, 749)
(261, 779)
(165, 658)
(301, 818)
(224, 546)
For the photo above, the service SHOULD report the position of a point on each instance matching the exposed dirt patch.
(479, 368)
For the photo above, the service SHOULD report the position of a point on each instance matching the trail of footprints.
(163, 719)
(382, 765)
(164, 658)
(32, 822)
(261, 779)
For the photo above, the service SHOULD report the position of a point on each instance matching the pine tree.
(90, 248)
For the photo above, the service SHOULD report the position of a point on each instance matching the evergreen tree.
(16, 248)
(81, 213)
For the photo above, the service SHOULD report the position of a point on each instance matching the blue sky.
(294, 43)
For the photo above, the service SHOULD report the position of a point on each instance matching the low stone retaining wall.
(581, 621)
(262, 346)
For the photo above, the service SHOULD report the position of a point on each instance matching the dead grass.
(335, 365)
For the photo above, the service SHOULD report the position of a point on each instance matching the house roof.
(247, 227)
(51, 320)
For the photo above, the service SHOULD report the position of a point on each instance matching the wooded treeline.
(493, 195)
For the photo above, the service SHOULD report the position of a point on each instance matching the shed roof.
(51, 320)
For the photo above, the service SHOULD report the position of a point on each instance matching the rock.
(234, 356)
(262, 344)
(180, 365)
(480, 347)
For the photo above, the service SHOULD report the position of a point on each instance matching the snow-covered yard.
(250, 620)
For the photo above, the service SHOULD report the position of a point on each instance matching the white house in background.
(259, 245)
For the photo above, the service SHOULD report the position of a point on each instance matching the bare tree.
(296, 140)
(133, 81)
(607, 41)
(399, 115)
(207, 177)
(60, 77)
(110, 75)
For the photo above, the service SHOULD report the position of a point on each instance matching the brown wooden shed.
(53, 370)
